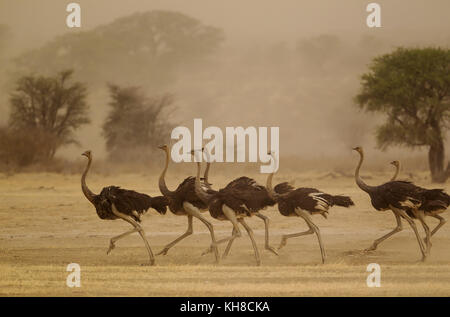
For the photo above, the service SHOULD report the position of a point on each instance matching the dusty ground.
(46, 223)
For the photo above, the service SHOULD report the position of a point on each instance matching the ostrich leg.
(188, 232)
(403, 214)
(379, 240)
(231, 216)
(195, 212)
(421, 216)
(138, 228)
(305, 215)
(227, 250)
(252, 238)
(442, 222)
(266, 228)
(293, 235)
(117, 238)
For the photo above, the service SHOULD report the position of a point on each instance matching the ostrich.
(304, 203)
(116, 203)
(406, 201)
(233, 203)
(185, 202)
(432, 212)
(242, 184)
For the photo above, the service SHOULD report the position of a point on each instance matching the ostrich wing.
(127, 201)
(283, 188)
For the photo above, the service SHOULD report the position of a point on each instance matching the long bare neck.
(358, 179)
(162, 183)
(397, 170)
(272, 194)
(86, 191)
(206, 174)
(204, 196)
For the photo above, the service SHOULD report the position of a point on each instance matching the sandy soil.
(46, 223)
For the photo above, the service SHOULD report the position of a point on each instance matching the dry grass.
(46, 224)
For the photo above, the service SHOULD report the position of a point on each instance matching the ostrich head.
(192, 152)
(395, 163)
(358, 149)
(88, 154)
(163, 147)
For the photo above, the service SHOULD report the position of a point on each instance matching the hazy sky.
(299, 104)
(34, 21)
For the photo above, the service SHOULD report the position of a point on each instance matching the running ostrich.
(185, 202)
(433, 212)
(241, 184)
(116, 203)
(406, 201)
(233, 203)
(304, 203)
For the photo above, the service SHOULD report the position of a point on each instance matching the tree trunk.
(436, 156)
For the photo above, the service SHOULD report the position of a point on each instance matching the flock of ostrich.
(244, 197)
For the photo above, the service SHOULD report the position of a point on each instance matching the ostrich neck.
(206, 174)
(358, 179)
(86, 191)
(272, 194)
(397, 170)
(204, 196)
(162, 183)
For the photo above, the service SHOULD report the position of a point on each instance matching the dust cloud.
(294, 64)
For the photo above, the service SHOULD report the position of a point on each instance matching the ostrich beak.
(85, 154)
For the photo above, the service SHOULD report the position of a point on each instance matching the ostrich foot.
(151, 263)
(111, 247)
(162, 252)
(271, 249)
(373, 247)
(209, 250)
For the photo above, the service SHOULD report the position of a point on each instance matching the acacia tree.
(148, 48)
(412, 88)
(49, 109)
(136, 124)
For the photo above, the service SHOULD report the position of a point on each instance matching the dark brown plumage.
(241, 198)
(250, 199)
(128, 202)
(114, 202)
(304, 202)
(407, 201)
(185, 192)
(310, 200)
(184, 201)
(436, 202)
